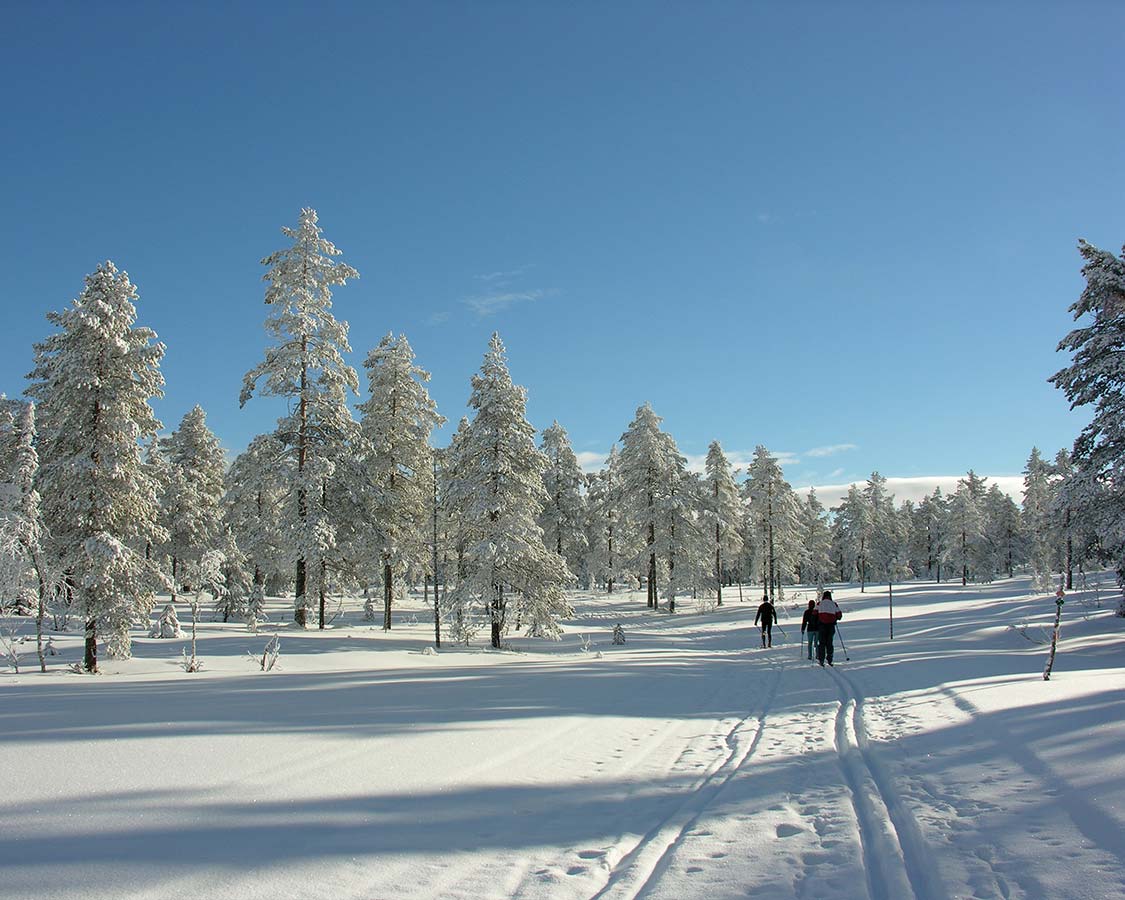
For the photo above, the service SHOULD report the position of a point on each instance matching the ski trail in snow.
(642, 865)
(896, 859)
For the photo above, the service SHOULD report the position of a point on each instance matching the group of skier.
(818, 624)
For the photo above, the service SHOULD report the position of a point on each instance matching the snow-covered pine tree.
(237, 579)
(849, 534)
(256, 487)
(306, 366)
(396, 422)
(191, 502)
(934, 512)
(816, 542)
(650, 464)
(454, 496)
(1002, 536)
(680, 543)
(21, 518)
(773, 519)
(94, 381)
(613, 546)
(1036, 518)
(722, 513)
(1096, 377)
(564, 514)
(966, 523)
(501, 490)
(1063, 514)
(884, 542)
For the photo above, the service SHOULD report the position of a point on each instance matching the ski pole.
(842, 644)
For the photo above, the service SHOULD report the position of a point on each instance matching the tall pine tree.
(306, 366)
(94, 381)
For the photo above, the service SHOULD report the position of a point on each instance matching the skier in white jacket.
(829, 613)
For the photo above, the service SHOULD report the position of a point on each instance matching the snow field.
(683, 764)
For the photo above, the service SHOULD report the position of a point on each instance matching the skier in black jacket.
(768, 615)
(810, 625)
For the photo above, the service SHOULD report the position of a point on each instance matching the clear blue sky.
(800, 225)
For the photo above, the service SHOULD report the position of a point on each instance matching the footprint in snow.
(785, 830)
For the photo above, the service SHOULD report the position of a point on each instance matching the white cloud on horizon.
(915, 488)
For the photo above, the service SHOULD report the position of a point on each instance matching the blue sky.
(807, 225)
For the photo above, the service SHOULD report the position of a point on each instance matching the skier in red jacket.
(828, 613)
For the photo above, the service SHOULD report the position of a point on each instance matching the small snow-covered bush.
(270, 654)
(618, 634)
(168, 625)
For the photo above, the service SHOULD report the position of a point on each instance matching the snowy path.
(681, 765)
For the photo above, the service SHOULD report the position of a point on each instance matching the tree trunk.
(175, 571)
(437, 610)
(321, 591)
(299, 595)
(718, 563)
(299, 603)
(497, 615)
(387, 584)
(90, 660)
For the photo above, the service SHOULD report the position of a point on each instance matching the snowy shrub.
(256, 608)
(584, 642)
(190, 663)
(270, 654)
(618, 634)
(168, 625)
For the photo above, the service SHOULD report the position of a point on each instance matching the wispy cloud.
(503, 276)
(438, 318)
(831, 450)
(497, 301)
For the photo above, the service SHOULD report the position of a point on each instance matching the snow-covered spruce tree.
(21, 520)
(849, 534)
(773, 520)
(396, 421)
(650, 464)
(306, 366)
(613, 544)
(1002, 535)
(883, 538)
(564, 514)
(1036, 518)
(458, 531)
(500, 490)
(1096, 377)
(1063, 513)
(256, 487)
(679, 543)
(94, 380)
(721, 511)
(191, 503)
(238, 580)
(816, 542)
(966, 526)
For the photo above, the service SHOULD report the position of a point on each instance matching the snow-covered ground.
(687, 763)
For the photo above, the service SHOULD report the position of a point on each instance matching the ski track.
(896, 858)
(642, 865)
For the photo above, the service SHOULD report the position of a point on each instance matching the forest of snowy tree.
(101, 510)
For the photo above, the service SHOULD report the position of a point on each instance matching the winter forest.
(105, 509)
(347, 662)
